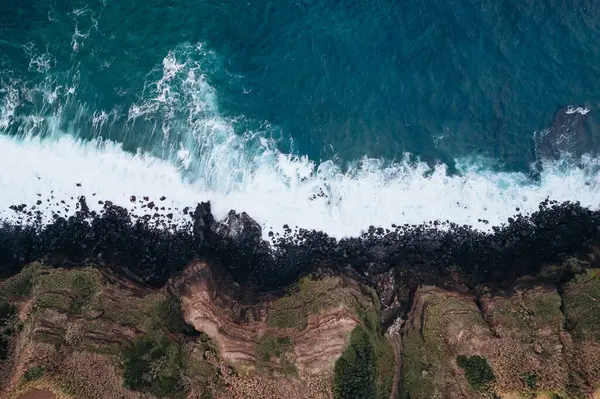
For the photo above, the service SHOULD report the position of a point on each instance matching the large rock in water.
(203, 223)
(574, 131)
(241, 229)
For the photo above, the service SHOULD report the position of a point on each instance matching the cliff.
(89, 333)
(536, 339)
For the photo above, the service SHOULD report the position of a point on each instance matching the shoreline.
(150, 249)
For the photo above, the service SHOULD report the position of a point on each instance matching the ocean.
(325, 115)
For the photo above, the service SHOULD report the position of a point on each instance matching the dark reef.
(151, 248)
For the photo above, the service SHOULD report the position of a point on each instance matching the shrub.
(478, 372)
(356, 369)
(530, 380)
(169, 313)
(154, 367)
(19, 286)
(4, 346)
(33, 373)
(7, 311)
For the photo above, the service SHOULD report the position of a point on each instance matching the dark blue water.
(329, 80)
(439, 79)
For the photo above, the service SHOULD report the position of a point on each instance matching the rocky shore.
(152, 248)
(438, 310)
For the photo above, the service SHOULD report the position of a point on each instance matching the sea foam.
(289, 191)
(199, 156)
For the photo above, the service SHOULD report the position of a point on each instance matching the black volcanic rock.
(152, 248)
(203, 224)
(240, 229)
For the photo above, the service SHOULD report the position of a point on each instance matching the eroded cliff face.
(88, 332)
(532, 340)
(298, 336)
(69, 328)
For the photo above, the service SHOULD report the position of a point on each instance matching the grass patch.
(153, 366)
(80, 285)
(33, 373)
(53, 301)
(270, 347)
(19, 286)
(546, 307)
(308, 297)
(150, 313)
(582, 306)
(478, 372)
(129, 312)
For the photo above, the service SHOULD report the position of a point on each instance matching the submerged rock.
(575, 131)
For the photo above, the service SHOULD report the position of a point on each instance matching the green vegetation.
(423, 352)
(19, 286)
(478, 372)
(367, 367)
(356, 369)
(33, 373)
(153, 366)
(545, 307)
(53, 301)
(79, 286)
(530, 380)
(582, 306)
(4, 346)
(8, 327)
(169, 312)
(308, 297)
(155, 363)
(270, 347)
(7, 312)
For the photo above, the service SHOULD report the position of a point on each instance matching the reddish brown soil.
(38, 394)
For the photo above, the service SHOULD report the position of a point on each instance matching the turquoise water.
(395, 111)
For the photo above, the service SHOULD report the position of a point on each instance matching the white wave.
(207, 160)
(8, 105)
(282, 189)
(577, 110)
(86, 17)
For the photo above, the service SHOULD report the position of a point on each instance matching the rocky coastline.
(397, 282)
(151, 249)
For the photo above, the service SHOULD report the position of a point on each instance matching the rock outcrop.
(574, 132)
